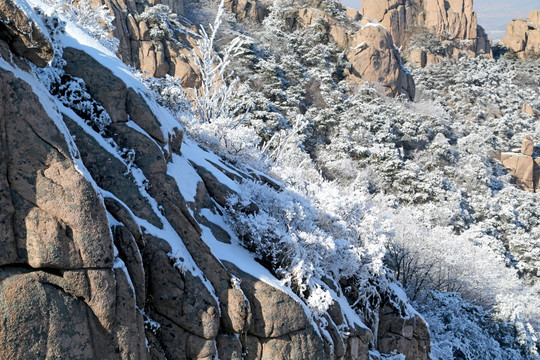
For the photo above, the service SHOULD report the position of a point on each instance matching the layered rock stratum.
(105, 254)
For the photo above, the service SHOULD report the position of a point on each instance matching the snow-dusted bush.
(427, 41)
(72, 93)
(168, 92)
(461, 330)
(310, 231)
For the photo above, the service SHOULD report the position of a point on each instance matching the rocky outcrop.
(150, 39)
(408, 336)
(374, 59)
(58, 279)
(251, 10)
(430, 30)
(524, 166)
(370, 49)
(523, 35)
(23, 35)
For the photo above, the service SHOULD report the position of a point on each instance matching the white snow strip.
(185, 175)
(167, 233)
(400, 293)
(348, 312)
(374, 24)
(363, 43)
(132, 124)
(119, 264)
(91, 132)
(194, 153)
(113, 221)
(515, 153)
(243, 259)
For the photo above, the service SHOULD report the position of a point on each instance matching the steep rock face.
(156, 53)
(523, 35)
(60, 278)
(102, 256)
(430, 30)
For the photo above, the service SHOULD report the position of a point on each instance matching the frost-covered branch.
(217, 84)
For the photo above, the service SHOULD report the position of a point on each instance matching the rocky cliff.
(428, 31)
(523, 35)
(370, 49)
(113, 241)
(158, 53)
(152, 38)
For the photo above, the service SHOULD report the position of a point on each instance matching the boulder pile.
(524, 166)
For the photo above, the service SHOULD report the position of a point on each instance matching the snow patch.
(185, 175)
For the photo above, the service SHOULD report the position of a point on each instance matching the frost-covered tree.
(217, 82)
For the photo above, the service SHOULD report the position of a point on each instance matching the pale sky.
(493, 15)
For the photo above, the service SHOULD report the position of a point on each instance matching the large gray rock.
(524, 167)
(58, 220)
(60, 296)
(374, 59)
